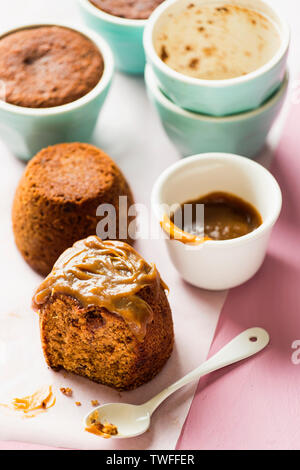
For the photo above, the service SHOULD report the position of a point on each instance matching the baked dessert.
(57, 199)
(104, 314)
(131, 9)
(215, 40)
(48, 66)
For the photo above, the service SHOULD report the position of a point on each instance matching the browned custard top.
(107, 274)
(226, 216)
(131, 9)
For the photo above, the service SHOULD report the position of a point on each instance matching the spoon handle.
(242, 346)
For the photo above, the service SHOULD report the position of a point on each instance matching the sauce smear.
(34, 404)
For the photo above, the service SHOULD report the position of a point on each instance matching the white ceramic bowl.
(218, 97)
(218, 265)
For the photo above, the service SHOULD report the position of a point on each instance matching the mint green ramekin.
(191, 133)
(218, 97)
(125, 36)
(25, 131)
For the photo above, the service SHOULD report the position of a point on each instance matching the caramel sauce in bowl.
(244, 202)
(224, 217)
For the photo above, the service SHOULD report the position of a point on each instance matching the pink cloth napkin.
(255, 404)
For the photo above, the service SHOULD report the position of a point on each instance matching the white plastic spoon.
(133, 420)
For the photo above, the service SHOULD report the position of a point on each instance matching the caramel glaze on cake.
(104, 314)
(131, 9)
(57, 198)
(48, 66)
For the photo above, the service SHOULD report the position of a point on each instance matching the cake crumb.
(77, 403)
(68, 392)
(95, 403)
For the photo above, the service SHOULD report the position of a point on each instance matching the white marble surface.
(130, 132)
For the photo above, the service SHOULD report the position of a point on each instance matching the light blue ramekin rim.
(125, 36)
(244, 134)
(25, 131)
(220, 97)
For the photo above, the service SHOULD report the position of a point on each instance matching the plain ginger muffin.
(48, 66)
(57, 199)
(104, 315)
(131, 9)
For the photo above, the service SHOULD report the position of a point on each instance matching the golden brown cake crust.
(56, 201)
(131, 9)
(99, 345)
(48, 66)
